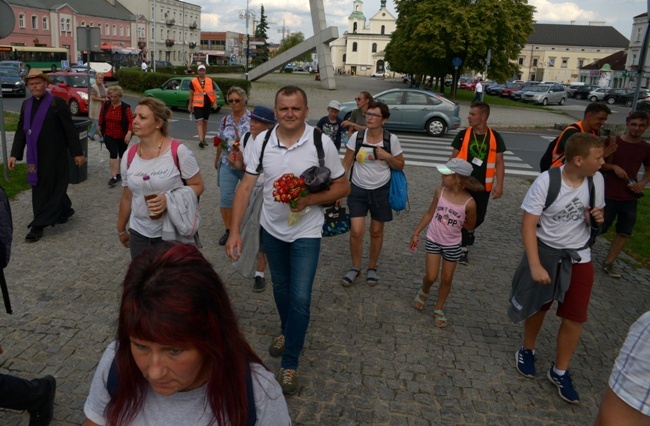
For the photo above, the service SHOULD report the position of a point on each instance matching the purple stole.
(32, 132)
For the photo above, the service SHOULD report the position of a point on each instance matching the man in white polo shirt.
(292, 251)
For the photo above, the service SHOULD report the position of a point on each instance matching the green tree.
(430, 33)
(262, 52)
(291, 40)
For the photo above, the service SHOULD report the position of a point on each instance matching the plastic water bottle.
(149, 194)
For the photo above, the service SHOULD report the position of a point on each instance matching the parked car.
(516, 95)
(378, 74)
(583, 91)
(511, 87)
(12, 82)
(414, 110)
(72, 87)
(175, 93)
(494, 89)
(19, 66)
(468, 84)
(597, 94)
(628, 98)
(571, 90)
(616, 96)
(545, 94)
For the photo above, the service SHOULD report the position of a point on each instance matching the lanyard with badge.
(478, 150)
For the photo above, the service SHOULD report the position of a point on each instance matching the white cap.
(335, 104)
(456, 165)
(201, 67)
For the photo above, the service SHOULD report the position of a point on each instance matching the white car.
(597, 94)
(378, 74)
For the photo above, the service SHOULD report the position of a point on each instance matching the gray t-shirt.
(186, 408)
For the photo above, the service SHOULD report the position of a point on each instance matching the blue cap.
(263, 114)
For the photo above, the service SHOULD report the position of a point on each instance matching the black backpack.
(546, 161)
(6, 236)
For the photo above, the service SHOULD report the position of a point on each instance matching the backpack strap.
(554, 185)
(387, 136)
(247, 136)
(266, 141)
(318, 143)
(125, 118)
(113, 380)
(130, 155)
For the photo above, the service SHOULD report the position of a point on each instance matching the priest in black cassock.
(46, 128)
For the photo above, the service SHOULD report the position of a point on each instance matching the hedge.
(136, 80)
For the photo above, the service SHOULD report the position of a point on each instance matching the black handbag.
(318, 178)
(337, 221)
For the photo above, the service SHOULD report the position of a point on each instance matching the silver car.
(545, 94)
(414, 110)
(597, 94)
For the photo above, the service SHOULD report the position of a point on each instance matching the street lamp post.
(153, 52)
(248, 14)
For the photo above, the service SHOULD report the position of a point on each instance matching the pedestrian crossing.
(427, 151)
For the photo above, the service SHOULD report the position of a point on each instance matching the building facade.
(634, 51)
(360, 51)
(556, 52)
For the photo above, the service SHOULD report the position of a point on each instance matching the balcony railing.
(170, 21)
(193, 26)
(192, 45)
(169, 42)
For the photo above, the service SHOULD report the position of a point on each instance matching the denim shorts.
(376, 200)
(228, 180)
(626, 212)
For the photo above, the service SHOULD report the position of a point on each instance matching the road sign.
(457, 61)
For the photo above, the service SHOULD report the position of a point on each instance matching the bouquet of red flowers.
(288, 188)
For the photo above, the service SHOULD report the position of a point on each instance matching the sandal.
(371, 277)
(420, 300)
(441, 321)
(349, 277)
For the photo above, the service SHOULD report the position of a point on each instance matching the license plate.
(6, 90)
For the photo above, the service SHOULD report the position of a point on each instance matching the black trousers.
(21, 394)
(481, 198)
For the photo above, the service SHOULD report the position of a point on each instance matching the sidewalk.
(369, 357)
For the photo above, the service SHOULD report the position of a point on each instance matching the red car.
(468, 84)
(72, 87)
(506, 92)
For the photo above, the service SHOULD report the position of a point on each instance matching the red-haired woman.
(180, 357)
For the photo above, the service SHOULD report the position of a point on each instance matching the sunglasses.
(359, 99)
(234, 101)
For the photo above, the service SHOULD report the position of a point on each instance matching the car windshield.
(80, 81)
(539, 88)
(9, 72)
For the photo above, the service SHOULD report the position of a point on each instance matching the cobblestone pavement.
(369, 357)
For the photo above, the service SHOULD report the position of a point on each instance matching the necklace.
(162, 140)
(568, 181)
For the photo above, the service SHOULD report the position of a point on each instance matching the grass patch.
(11, 121)
(637, 246)
(18, 182)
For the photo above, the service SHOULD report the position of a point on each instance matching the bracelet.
(119, 234)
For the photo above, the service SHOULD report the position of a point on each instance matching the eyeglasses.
(234, 101)
(359, 99)
(373, 115)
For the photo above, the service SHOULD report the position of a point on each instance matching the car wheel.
(611, 101)
(436, 127)
(593, 99)
(628, 103)
(578, 96)
(74, 107)
(545, 101)
(562, 101)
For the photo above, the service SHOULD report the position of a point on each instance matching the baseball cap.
(456, 165)
(201, 67)
(335, 104)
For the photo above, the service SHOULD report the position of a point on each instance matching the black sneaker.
(277, 347)
(564, 386)
(35, 234)
(224, 238)
(118, 177)
(43, 416)
(463, 258)
(525, 359)
(203, 144)
(260, 284)
(112, 182)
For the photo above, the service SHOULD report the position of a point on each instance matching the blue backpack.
(399, 190)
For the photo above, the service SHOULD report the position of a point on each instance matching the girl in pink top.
(452, 209)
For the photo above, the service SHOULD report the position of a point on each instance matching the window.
(374, 48)
(99, 25)
(534, 62)
(551, 61)
(383, 29)
(128, 31)
(92, 24)
(344, 57)
(108, 29)
(354, 46)
(638, 35)
(114, 29)
(34, 22)
(83, 23)
(21, 20)
(521, 60)
(67, 25)
(121, 30)
(62, 25)
(565, 62)
(354, 27)
(581, 62)
(45, 23)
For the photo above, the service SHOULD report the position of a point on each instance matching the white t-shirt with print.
(278, 160)
(368, 172)
(564, 223)
(164, 176)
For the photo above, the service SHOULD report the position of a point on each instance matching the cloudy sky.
(223, 15)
